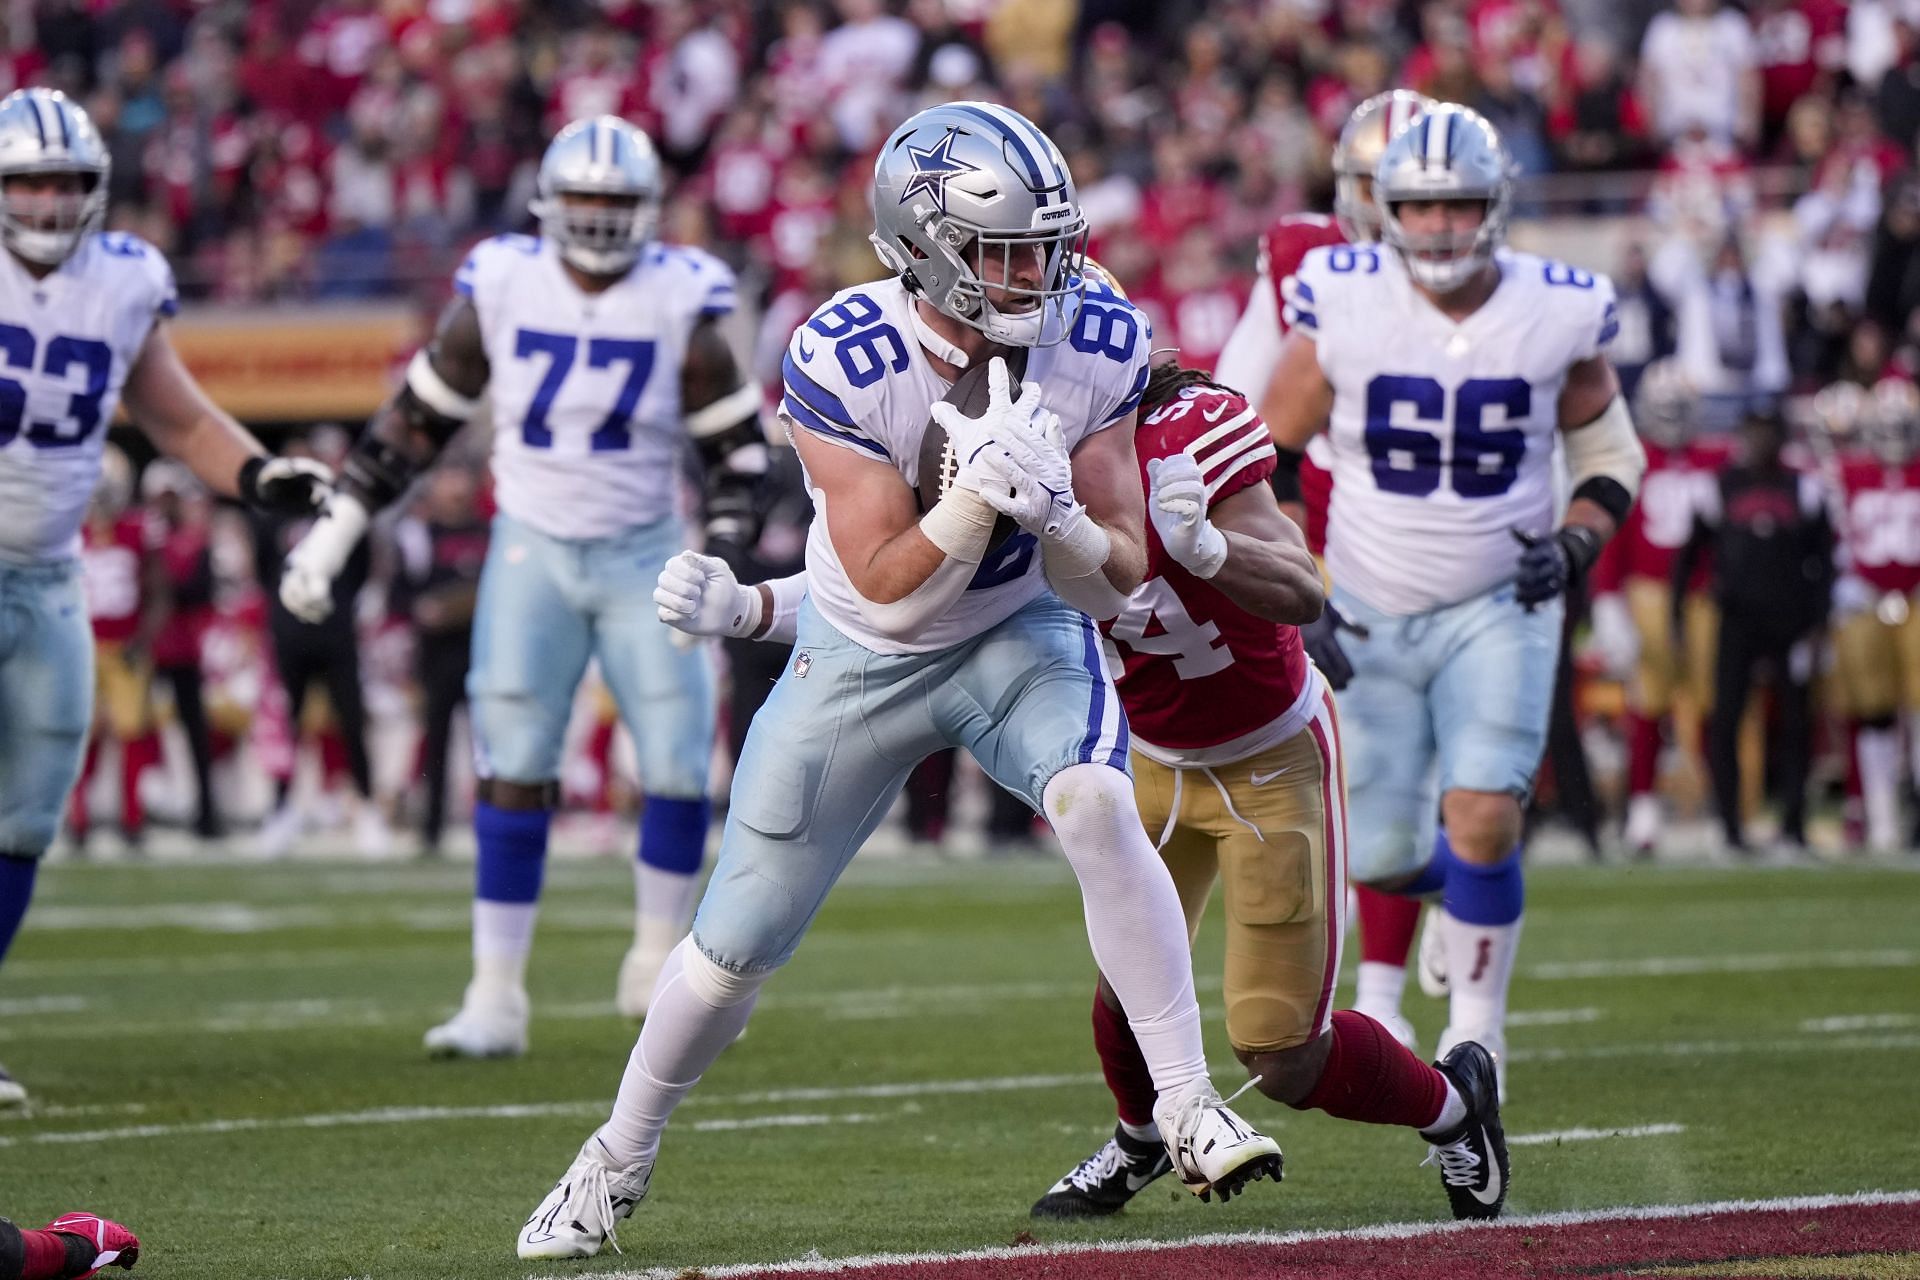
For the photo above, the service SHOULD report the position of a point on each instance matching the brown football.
(969, 394)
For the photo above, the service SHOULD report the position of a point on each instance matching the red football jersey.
(1196, 671)
(1881, 528)
(110, 563)
(1677, 484)
(1281, 249)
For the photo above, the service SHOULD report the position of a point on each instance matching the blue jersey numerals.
(62, 355)
(560, 350)
(1407, 458)
(1009, 563)
(866, 350)
(1106, 325)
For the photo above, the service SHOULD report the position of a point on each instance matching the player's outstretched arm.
(184, 422)
(1295, 405)
(723, 417)
(1243, 545)
(441, 392)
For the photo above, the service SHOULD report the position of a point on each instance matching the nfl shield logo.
(802, 664)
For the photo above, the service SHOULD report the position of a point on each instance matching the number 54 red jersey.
(1203, 680)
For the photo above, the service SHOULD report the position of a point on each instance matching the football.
(969, 394)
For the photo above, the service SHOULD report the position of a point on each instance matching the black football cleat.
(1104, 1182)
(1473, 1154)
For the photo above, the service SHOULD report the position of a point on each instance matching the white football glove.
(1616, 641)
(1177, 505)
(700, 596)
(974, 440)
(306, 581)
(1033, 473)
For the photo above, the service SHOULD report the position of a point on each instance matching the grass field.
(227, 1057)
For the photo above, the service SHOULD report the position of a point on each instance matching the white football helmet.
(1373, 124)
(1665, 404)
(42, 132)
(1449, 153)
(599, 156)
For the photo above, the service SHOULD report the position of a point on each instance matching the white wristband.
(960, 525)
(1080, 546)
(333, 536)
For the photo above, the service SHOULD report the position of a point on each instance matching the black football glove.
(1548, 566)
(1322, 639)
(284, 486)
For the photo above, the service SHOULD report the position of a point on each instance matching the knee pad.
(1088, 796)
(720, 987)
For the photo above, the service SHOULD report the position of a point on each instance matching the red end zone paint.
(1681, 1245)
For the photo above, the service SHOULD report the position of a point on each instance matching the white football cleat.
(1645, 821)
(639, 971)
(590, 1200)
(1493, 1041)
(1214, 1150)
(372, 838)
(1432, 965)
(12, 1092)
(492, 1023)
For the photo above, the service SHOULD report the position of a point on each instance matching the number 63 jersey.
(587, 422)
(1443, 434)
(67, 344)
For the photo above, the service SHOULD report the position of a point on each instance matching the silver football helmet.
(1373, 124)
(599, 156)
(1449, 153)
(1893, 420)
(958, 191)
(1665, 404)
(42, 132)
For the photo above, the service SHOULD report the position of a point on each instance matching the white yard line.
(1390, 1231)
(1689, 966)
(1552, 1017)
(1558, 1136)
(1861, 1022)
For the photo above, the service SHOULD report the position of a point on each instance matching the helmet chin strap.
(936, 345)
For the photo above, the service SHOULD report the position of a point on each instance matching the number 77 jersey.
(1443, 434)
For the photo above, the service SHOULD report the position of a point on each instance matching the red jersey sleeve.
(1220, 430)
(1288, 241)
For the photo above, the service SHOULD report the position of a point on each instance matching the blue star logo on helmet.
(932, 168)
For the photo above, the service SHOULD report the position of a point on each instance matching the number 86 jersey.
(1443, 434)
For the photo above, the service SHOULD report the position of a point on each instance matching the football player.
(1387, 921)
(1440, 535)
(601, 351)
(80, 333)
(916, 635)
(128, 600)
(1667, 675)
(1876, 630)
(1236, 758)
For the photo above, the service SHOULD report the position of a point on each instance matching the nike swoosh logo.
(1136, 1181)
(1262, 779)
(806, 352)
(1216, 415)
(1492, 1194)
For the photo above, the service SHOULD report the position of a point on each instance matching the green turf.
(309, 998)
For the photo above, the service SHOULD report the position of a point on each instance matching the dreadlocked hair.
(1169, 380)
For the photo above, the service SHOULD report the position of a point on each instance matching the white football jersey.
(67, 343)
(856, 375)
(1443, 435)
(587, 425)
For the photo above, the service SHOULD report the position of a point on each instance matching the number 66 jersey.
(67, 343)
(1443, 434)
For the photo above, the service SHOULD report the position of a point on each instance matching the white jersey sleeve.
(585, 387)
(856, 376)
(1443, 434)
(67, 343)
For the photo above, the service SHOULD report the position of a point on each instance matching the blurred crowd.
(1745, 172)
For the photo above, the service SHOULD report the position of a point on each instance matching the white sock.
(663, 903)
(1379, 989)
(1452, 1111)
(1879, 751)
(502, 940)
(1134, 919)
(1479, 971)
(698, 1009)
(1141, 1132)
